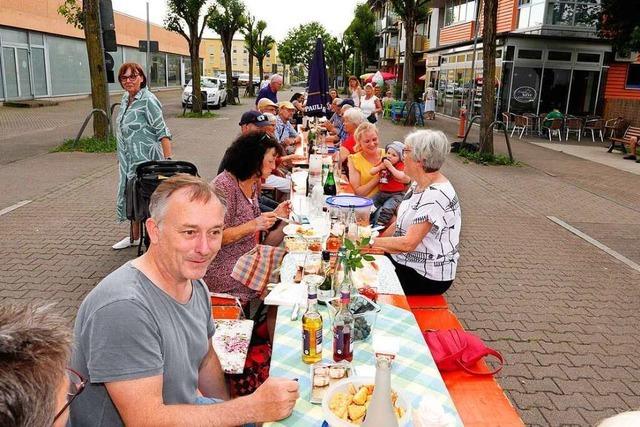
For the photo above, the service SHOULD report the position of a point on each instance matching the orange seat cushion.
(427, 301)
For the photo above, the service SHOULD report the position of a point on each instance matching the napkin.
(430, 413)
(287, 294)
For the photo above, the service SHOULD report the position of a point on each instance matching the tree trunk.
(226, 46)
(408, 71)
(196, 100)
(252, 92)
(490, 11)
(261, 66)
(97, 71)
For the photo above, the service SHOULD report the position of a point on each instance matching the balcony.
(388, 23)
(420, 43)
(378, 25)
(391, 53)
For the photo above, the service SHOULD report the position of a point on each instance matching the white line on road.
(596, 243)
(14, 207)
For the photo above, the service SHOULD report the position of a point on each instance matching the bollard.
(463, 121)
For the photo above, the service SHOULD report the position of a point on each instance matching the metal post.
(104, 65)
(148, 50)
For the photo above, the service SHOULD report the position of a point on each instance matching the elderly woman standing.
(142, 136)
(361, 163)
(423, 242)
(249, 158)
(370, 104)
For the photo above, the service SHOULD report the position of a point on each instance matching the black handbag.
(372, 118)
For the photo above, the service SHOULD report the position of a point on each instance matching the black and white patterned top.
(436, 256)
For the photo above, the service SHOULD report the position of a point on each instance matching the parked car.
(215, 89)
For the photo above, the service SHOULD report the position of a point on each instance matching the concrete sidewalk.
(560, 309)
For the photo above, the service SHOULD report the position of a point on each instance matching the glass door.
(24, 72)
(584, 89)
(17, 71)
(9, 72)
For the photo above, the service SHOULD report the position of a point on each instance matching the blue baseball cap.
(255, 117)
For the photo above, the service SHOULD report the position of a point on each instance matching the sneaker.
(125, 243)
(630, 157)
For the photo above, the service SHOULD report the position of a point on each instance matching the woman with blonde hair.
(361, 163)
(355, 91)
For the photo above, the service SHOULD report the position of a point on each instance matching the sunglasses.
(131, 77)
(76, 385)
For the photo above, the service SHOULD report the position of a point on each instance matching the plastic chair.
(595, 124)
(398, 110)
(573, 125)
(520, 124)
(386, 110)
(554, 127)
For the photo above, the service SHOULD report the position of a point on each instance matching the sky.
(280, 15)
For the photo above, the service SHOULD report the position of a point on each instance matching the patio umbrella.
(318, 84)
(366, 76)
(385, 76)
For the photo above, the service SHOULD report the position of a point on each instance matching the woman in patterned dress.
(423, 241)
(142, 136)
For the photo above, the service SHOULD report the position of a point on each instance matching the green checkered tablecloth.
(413, 371)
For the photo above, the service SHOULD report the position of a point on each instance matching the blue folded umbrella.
(318, 83)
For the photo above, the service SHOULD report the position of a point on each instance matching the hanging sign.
(525, 94)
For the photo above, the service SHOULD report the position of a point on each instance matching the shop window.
(589, 57)
(529, 54)
(555, 55)
(633, 77)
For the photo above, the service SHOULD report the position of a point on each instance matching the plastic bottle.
(311, 329)
(343, 328)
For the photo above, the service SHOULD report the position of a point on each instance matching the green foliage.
(264, 44)
(87, 145)
(620, 22)
(299, 44)
(354, 255)
(362, 34)
(487, 158)
(201, 115)
(227, 18)
(73, 13)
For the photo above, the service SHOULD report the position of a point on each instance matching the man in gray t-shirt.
(143, 335)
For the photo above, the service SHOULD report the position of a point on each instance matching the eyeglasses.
(406, 150)
(130, 77)
(76, 386)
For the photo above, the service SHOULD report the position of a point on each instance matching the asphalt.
(560, 309)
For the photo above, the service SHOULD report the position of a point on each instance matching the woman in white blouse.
(423, 241)
(370, 104)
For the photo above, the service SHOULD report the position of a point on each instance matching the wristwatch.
(168, 158)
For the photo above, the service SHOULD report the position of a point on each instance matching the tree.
(346, 50)
(411, 12)
(87, 18)
(362, 32)
(620, 22)
(226, 18)
(287, 57)
(183, 17)
(263, 45)
(299, 43)
(250, 41)
(488, 103)
(332, 57)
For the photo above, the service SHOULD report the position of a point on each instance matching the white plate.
(295, 230)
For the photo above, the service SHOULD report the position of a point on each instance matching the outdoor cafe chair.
(594, 124)
(506, 119)
(533, 122)
(398, 110)
(520, 124)
(614, 127)
(573, 125)
(554, 127)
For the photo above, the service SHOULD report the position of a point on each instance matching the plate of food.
(345, 403)
(323, 375)
(303, 230)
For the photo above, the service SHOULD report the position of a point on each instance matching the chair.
(554, 127)
(573, 124)
(398, 110)
(520, 124)
(594, 124)
(506, 119)
(386, 109)
(615, 127)
(533, 122)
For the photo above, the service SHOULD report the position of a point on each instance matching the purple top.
(239, 211)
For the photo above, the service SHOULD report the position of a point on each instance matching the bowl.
(364, 321)
(342, 386)
(343, 203)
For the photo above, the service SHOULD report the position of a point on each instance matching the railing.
(420, 43)
(391, 53)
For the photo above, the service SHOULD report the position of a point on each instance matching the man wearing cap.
(270, 91)
(265, 105)
(334, 125)
(252, 121)
(285, 133)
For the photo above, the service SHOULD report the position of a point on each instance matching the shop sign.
(525, 94)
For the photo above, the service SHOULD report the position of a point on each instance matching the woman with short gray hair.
(423, 241)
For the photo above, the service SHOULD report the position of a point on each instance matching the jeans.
(267, 204)
(387, 205)
(201, 400)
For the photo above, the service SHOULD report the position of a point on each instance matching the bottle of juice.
(343, 327)
(312, 329)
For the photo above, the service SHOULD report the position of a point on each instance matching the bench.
(480, 400)
(630, 132)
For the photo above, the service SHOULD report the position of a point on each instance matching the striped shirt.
(436, 256)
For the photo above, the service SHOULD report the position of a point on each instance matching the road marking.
(596, 243)
(14, 207)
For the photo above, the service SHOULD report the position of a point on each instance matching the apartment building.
(548, 56)
(42, 56)
(214, 58)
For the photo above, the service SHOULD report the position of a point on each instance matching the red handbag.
(453, 349)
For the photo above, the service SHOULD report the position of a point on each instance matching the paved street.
(560, 309)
